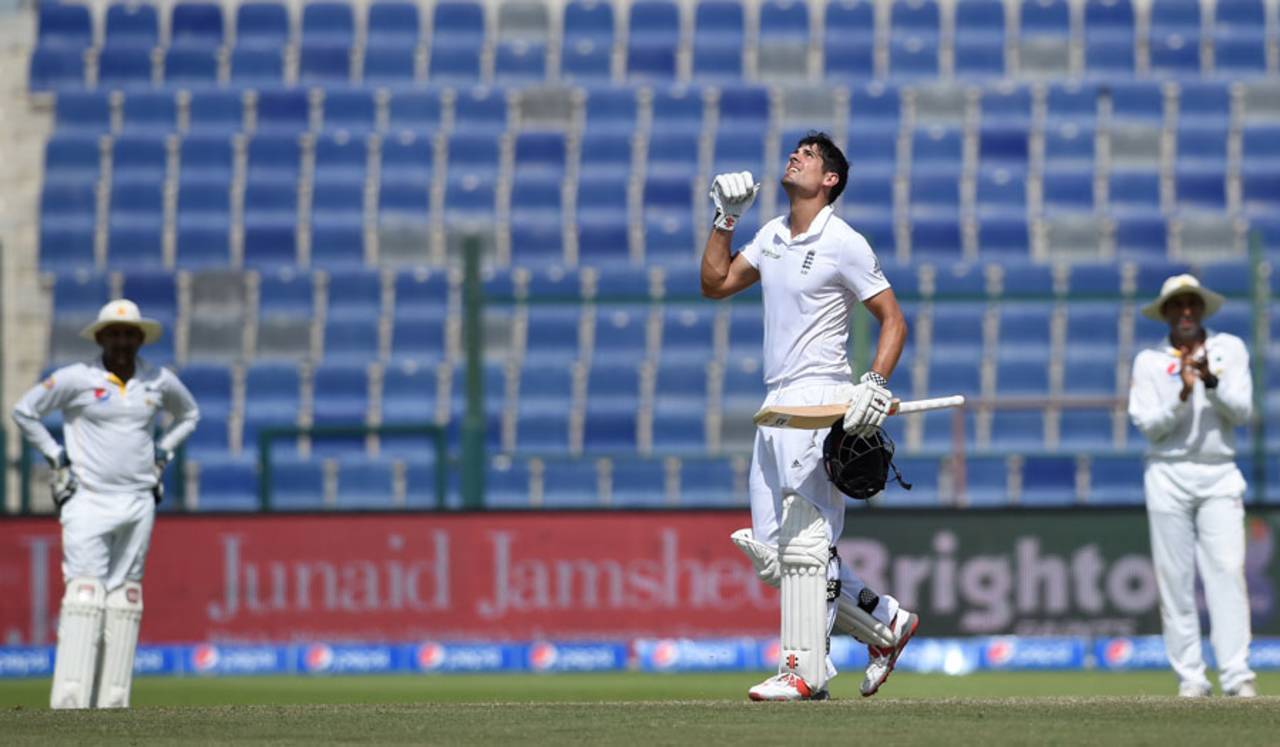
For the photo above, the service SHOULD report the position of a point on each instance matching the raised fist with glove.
(732, 195)
(869, 405)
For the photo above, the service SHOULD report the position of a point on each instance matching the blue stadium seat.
(1176, 16)
(203, 220)
(1085, 430)
(570, 483)
(154, 113)
(520, 62)
(1116, 481)
(849, 40)
(124, 68)
(67, 226)
(1048, 481)
(1071, 102)
(297, 484)
(337, 224)
(324, 64)
(393, 24)
(79, 293)
(408, 395)
(341, 392)
(585, 61)
(253, 66)
(191, 67)
(86, 112)
(389, 65)
(480, 111)
(454, 66)
(1018, 430)
(228, 483)
(985, 481)
(274, 157)
(507, 484)
(139, 158)
(421, 473)
(922, 474)
(283, 111)
(135, 224)
(56, 69)
(270, 224)
(131, 24)
(196, 25)
(914, 18)
(718, 40)
(350, 110)
(72, 159)
(913, 57)
(215, 112)
(1136, 101)
(638, 483)
(979, 59)
(365, 484)
(1238, 54)
(64, 25)
(328, 23)
(937, 146)
(262, 25)
(589, 20)
(415, 111)
(709, 483)
(610, 113)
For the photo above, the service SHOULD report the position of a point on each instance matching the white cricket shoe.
(1246, 690)
(884, 659)
(785, 686)
(1194, 690)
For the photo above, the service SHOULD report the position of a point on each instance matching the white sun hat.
(123, 311)
(1179, 284)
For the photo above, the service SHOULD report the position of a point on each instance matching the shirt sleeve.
(52, 394)
(1232, 398)
(860, 269)
(179, 403)
(752, 250)
(1151, 413)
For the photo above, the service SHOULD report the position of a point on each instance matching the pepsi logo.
(1119, 651)
(1000, 652)
(204, 657)
(1172, 370)
(430, 656)
(666, 654)
(317, 658)
(543, 656)
(772, 653)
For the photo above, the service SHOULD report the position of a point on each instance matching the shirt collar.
(816, 227)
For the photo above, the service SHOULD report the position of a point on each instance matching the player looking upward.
(107, 481)
(1187, 396)
(813, 267)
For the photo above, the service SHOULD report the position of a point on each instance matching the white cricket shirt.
(809, 284)
(107, 424)
(1202, 428)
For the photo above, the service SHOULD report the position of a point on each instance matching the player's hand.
(1190, 369)
(869, 405)
(163, 457)
(62, 481)
(732, 195)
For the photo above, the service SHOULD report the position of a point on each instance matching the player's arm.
(179, 403)
(40, 400)
(723, 273)
(1231, 393)
(1152, 414)
(893, 331)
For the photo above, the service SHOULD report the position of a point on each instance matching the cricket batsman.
(106, 483)
(1188, 395)
(813, 267)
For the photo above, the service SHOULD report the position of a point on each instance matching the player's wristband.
(1210, 381)
(874, 378)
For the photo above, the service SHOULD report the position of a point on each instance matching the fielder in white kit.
(106, 484)
(813, 268)
(1187, 395)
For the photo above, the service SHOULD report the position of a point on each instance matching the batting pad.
(79, 629)
(851, 619)
(119, 642)
(804, 556)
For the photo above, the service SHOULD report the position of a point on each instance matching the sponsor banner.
(435, 656)
(1140, 652)
(324, 658)
(208, 658)
(1078, 573)
(1264, 654)
(26, 661)
(942, 655)
(684, 655)
(1008, 652)
(597, 576)
(577, 657)
(158, 660)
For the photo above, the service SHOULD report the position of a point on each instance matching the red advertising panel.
(411, 577)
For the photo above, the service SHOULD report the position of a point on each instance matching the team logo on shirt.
(47, 383)
(101, 394)
(808, 262)
(1172, 370)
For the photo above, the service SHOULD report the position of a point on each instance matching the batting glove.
(869, 405)
(62, 481)
(163, 457)
(732, 195)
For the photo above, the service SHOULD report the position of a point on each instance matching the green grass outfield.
(1002, 708)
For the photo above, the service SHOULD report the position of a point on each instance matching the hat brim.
(151, 329)
(1212, 302)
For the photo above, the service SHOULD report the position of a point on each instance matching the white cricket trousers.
(1205, 532)
(788, 461)
(106, 536)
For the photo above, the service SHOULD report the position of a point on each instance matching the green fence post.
(1259, 270)
(473, 334)
(264, 470)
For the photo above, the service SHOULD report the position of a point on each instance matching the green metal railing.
(269, 436)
